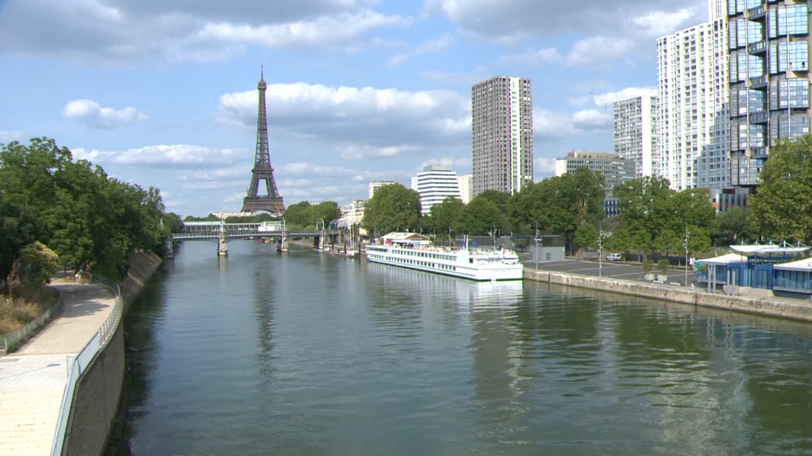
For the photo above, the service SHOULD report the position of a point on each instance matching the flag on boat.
(473, 244)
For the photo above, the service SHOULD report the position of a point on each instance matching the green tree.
(392, 208)
(733, 227)
(444, 216)
(17, 228)
(586, 237)
(298, 215)
(479, 217)
(644, 211)
(782, 206)
(172, 223)
(37, 263)
(326, 210)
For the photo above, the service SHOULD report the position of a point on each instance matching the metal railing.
(76, 365)
(10, 342)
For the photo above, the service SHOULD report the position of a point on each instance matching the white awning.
(769, 249)
(803, 265)
(725, 259)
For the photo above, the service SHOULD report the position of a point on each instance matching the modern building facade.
(769, 82)
(352, 213)
(717, 9)
(434, 184)
(375, 185)
(694, 126)
(636, 128)
(615, 170)
(502, 128)
(466, 184)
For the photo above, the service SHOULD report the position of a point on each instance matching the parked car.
(613, 257)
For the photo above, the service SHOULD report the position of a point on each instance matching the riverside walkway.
(32, 379)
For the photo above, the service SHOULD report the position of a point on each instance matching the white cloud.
(629, 92)
(176, 154)
(96, 116)
(532, 58)
(108, 31)
(554, 126)
(8, 136)
(544, 166)
(510, 21)
(324, 30)
(431, 46)
(362, 116)
(599, 50)
(354, 152)
(591, 119)
(577, 101)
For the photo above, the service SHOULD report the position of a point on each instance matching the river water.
(309, 354)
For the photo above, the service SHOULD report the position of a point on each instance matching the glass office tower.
(769, 81)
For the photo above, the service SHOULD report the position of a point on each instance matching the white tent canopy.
(725, 259)
(770, 249)
(803, 266)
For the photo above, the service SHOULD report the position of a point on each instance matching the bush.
(37, 263)
(648, 266)
(663, 265)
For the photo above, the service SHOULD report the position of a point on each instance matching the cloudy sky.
(163, 92)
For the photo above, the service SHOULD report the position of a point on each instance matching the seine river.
(309, 354)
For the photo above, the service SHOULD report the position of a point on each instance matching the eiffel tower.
(253, 202)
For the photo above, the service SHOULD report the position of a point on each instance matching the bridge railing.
(77, 364)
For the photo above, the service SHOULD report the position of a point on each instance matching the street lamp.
(600, 250)
(687, 234)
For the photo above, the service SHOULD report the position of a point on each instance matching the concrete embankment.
(772, 306)
(97, 397)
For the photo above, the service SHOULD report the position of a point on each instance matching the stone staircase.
(28, 421)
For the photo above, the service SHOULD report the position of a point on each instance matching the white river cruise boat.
(413, 251)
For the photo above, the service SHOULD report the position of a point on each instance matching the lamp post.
(600, 250)
(687, 234)
(536, 256)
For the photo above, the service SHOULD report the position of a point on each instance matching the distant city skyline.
(357, 90)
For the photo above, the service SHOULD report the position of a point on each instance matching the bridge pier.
(222, 245)
(282, 246)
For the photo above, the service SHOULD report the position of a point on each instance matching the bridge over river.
(220, 231)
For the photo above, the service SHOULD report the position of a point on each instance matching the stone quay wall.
(767, 306)
(97, 396)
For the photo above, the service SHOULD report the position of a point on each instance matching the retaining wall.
(97, 395)
(774, 307)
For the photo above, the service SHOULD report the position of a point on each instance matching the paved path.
(32, 380)
(609, 269)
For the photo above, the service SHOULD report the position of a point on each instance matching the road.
(608, 269)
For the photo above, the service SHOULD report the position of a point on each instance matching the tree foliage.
(733, 227)
(480, 217)
(444, 217)
(392, 208)
(88, 219)
(782, 206)
(304, 215)
(561, 204)
(37, 263)
(654, 217)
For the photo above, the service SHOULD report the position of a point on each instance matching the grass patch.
(24, 306)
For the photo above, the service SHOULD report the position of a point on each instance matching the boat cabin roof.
(406, 238)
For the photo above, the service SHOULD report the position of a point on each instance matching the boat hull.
(482, 274)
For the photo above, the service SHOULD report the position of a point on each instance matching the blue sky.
(163, 92)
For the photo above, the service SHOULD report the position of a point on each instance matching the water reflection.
(313, 354)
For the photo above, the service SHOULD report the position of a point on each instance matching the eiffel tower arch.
(263, 171)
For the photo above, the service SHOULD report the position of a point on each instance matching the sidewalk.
(32, 379)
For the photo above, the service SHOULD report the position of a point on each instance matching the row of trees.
(90, 220)
(560, 205)
(304, 215)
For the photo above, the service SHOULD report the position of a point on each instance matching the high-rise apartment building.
(636, 128)
(375, 185)
(694, 128)
(615, 171)
(466, 183)
(769, 81)
(717, 9)
(434, 184)
(502, 127)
